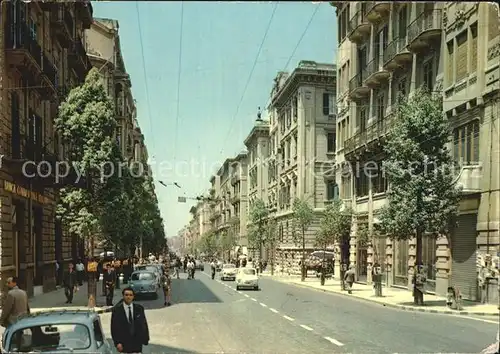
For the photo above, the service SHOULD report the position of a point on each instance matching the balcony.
(358, 28)
(78, 59)
(397, 55)
(375, 74)
(85, 12)
(235, 179)
(378, 11)
(356, 88)
(469, 179)
(62, 23)
(23, 52)
(425, 30)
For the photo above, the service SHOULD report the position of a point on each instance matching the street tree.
(271, 239)
(207, 244)
(85, 125)
(258, 219)
(229, 237)
(303, 216)
(335, 228)
(423, 198)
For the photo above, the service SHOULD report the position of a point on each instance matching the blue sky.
(220, 42)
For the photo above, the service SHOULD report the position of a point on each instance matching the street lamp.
(175, 184)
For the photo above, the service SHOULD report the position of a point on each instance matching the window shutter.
(473, 56)
(450, 66)
(461, 63)
(331, 105)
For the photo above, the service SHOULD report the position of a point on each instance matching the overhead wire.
(146, 86)
(250, 75)
(304, 32)
(179, 70)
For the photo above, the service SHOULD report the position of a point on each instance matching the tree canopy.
(114, 204)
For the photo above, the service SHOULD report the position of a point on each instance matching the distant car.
(247, 278)
(70, 331)
(151, 268)
(199, 265)
(144, 283)
(228, 272)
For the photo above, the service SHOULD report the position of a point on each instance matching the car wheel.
(237, 288)
(256, 288)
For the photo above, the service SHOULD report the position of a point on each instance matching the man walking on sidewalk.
(70, 283)
(80, 272)
(109, 280)
(15, 305)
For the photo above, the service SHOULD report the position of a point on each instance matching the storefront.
(379, 254)
(400, 263)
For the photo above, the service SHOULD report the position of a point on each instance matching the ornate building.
(42, 56)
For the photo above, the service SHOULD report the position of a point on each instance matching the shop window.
(401, 266)
(466, 143)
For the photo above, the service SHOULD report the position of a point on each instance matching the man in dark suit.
(109, 281)
(129, 327)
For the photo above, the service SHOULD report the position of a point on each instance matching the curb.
(397, 306)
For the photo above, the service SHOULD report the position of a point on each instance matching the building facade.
(385, 52)
(42, 56)
(301, 153)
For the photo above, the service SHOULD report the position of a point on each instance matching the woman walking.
(167, 288)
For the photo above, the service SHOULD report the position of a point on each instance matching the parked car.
(144, 283)
(151, 268)
(228, 272)
(247, 278)
(70, 331)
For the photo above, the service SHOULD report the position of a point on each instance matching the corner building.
(389, 49)
(42, 56)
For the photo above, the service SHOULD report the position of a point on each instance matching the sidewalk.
(56, 300)
(392, 297)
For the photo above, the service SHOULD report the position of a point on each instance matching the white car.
(247, 278)
(228, 272)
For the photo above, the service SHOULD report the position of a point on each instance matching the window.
(461, 59)
(362, 119)
(329, 104)
(343, 23)
(33, 29)
(380, 107)
(402, 89)
(493, 22)
(330, 142)
(332, 190)
(473, 49)
(379, 182)
(466, 143)
(451, 65)
(401, 271)
(428, 72)
(362, 183)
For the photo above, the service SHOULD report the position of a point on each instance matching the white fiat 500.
(247, 278)
(228, 272)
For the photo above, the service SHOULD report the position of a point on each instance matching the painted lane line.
(273, 310)
(246, 295)
(334, 341)
(263, 305)
(306, 327)
(239, 292)
(254, 299)
(289, 318)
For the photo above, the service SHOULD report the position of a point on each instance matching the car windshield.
(152, 268)
(248, 271)
(50, 338)
(142, 276)
(228, 266)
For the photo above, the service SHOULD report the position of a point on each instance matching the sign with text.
(25, 193)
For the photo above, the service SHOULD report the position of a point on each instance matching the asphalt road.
(210, 316)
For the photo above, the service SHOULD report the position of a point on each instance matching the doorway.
(18, 236)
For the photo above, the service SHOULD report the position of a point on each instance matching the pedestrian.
(129, 326)
(109, 281)
(80, 272)
(349, 278)
(15, 304)
(212, 267)
(190, 269)
(167, 288)
(70, 283)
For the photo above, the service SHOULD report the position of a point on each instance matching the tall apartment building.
(103, 48)
(387, 50)
(42, 56)
(300, 152)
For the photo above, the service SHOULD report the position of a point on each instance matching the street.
(210, 316)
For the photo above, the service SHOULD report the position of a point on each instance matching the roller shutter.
(463, 253)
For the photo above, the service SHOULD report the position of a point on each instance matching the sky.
(197, 114)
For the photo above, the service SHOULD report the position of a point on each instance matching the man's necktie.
(130, 318)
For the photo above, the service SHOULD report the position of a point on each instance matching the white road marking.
(334, 341)
(306, 327)
(246, 295)
(254, 299)
(263, 305)
(273, 310)
(289, 318)
(477, 319)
